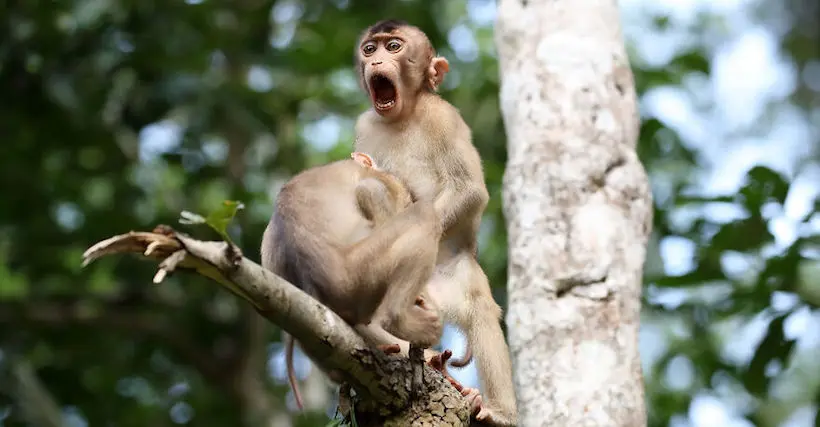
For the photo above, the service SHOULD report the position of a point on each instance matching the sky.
(737, 117)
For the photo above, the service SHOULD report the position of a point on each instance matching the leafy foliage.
(119, 115)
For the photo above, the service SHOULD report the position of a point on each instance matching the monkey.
(372, 212)
(351, 236)
(414, 134)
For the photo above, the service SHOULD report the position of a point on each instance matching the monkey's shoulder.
(440, 116)
(340, 172)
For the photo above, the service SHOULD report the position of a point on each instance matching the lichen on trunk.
(579, 213)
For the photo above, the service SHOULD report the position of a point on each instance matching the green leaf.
(706, 272)
(817, 402)
(353, 414)
(683, 200)
(661, 22)
(781, 271)
(742, 235)
(692, 61)
(774, 346)
(217, 220)
(763, 185)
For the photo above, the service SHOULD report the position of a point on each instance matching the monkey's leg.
(413, 261)
(391, 266)
(376, 335)
(484, 335)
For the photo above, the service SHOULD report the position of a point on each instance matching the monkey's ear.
(363, 159)
(438, 68)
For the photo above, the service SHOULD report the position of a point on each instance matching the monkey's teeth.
(385, 105)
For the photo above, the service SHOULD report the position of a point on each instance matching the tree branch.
(384, 383)
(37, 405)
(139, 320)
(249, 383)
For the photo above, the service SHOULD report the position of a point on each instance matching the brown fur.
(351, 237)
(423, 140)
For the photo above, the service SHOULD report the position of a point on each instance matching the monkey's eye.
(393, 45)
(369, 48)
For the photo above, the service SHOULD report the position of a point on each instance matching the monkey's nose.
(376, 63)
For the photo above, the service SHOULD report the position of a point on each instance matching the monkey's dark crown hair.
(387, 26)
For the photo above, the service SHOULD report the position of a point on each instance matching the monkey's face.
(390, 72)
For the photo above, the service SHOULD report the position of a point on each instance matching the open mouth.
(383, 92)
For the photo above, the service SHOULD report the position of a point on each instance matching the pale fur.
(429, 148)
(350, 236)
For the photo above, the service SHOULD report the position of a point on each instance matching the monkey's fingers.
(453, 382)
(439, 361)
(389, 348)
(474, 399)
(456, 385)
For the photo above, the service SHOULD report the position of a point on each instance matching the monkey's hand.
(439, 363)
(478, 410)
(389, 348)
(459, 207)
(419, 325)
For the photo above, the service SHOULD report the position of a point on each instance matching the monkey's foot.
(483, 413)
(389, 348)
(439, 363)
(421, 326)
(474, 399)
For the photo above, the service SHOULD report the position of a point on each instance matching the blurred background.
(117, 115)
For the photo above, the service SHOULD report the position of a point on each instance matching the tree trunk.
(579, 212)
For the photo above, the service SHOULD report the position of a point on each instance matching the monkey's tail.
(466, 359)
(289, 342)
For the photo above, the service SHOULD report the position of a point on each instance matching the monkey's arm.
(454, 205)
(463, 197)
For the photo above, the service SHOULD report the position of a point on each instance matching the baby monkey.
(414, 134)
(350, 235)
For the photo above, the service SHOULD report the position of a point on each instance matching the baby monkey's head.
(396, 62)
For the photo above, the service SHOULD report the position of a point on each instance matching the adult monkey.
(422, 139)
(349, 235)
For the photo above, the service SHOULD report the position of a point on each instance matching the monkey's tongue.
(384, 93)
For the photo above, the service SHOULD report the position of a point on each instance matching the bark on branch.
(385, 390)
